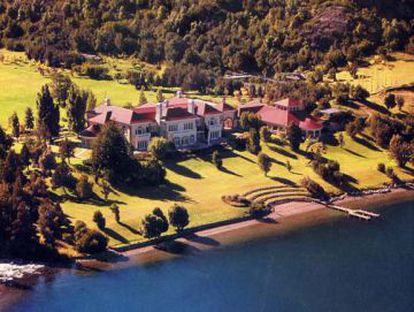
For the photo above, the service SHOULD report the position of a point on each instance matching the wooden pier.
(361, 214)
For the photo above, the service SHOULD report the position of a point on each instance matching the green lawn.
(198, 185)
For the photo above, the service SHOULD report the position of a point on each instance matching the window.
(185, 140)
(188, 126)
(177, 141)
(142, 145)
(139, 131)
(192, 139)
(214, 135)
(212, 122)
(172, 128)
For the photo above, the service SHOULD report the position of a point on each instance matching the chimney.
(158, 112)
(191, 106)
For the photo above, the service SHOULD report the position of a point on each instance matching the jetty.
(361, 214)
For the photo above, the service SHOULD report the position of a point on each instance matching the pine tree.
(264, 163)
(76, 109)
(91, 102)
(5, 143)
(142, 98)
(29, 119)
(160, 96)
(15, 123)
(48, 114)
(25, 155)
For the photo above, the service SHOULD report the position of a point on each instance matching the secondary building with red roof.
(282, 114)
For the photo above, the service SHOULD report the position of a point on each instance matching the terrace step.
(293, 196)
(266, 188)
(278, 191)
(287, 200)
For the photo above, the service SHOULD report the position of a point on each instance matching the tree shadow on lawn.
(282, 152)
(376, 107)
(166, 192)
(228, 171)
(182, 170)
(129, 228)
(283, 181)
(94, 201)
(366, 143)
(354, 153)
(115, 235)
(205, 240)
(177, 248)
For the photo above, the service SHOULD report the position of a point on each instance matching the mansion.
(193, 123)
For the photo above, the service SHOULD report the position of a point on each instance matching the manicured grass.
(198, 185)
(381, 74)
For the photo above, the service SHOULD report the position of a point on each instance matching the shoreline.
(287, 218)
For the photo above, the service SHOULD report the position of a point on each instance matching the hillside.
(212, 36)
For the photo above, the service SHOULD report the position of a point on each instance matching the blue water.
(347, 266)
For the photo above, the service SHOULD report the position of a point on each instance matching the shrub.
(381, 167)
(91, 241)
(258, 209)
(84, 188)
(216, 159)
(99, 219)
(264, 162)
(178, 216)
(315, 189)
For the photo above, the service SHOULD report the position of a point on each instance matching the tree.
(152, 226)
(62, 177)
(341, 140)
(77, 101)
(15, 123)
(60, 86)
(99, 219)
(115, 210)
(106, 189)
(253, 142)
(47, 114)
(389, 101)
(10, 168)
(29, 119)
(84, 188)
(402, 152)
(250, 120)
(264, 162)
(216, 159)
(91, 102)
(89, 241)
(160, 148)
(178, 216)
(359, 93)
(142, 98)
(265, 134)
(288, 166)
(5, 143)
(160, 96)
(66, 150)
(164, 225)
(47, 162)
(400, 102)
(294, 136)
(111, 156)
(25, 155)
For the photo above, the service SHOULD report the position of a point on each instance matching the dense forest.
(211, 36)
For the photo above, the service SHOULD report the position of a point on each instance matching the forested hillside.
(256, 36)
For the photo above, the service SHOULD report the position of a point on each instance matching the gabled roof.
(224, 107)
(144, 114)
(289, 102)
(254, 107)
(112, 113)
(204, 108)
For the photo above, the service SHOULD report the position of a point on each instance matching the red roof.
(203, 108)
(224, 107)
(311, 123)
(144, 114)
(274, 116)
(253, 107)
(178, 113)
(289, 102)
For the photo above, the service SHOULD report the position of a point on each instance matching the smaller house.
(282, 114)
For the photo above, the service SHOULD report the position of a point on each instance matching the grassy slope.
(198, 185)
(20, 81)
(195, 183)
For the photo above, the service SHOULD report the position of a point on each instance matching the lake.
(347, 265)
